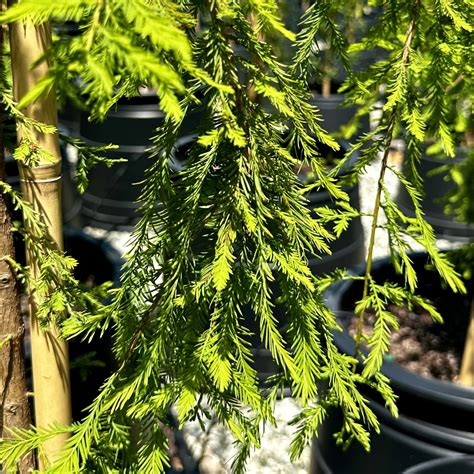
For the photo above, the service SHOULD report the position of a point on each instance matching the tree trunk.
(15, 411)
(14, 406)
(326, 87)
(41, 186)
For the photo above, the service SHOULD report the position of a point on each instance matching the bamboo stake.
(326, 87)
(466, 375)
(41, 186)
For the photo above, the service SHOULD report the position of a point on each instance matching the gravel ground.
(117, 239)
(213, 449)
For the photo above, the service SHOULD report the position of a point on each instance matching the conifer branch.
(230, 230)
(380, 182)
(374, 226)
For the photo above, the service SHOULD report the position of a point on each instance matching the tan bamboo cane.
(41, 186)
(466, 375)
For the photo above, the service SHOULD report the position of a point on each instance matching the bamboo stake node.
(44, 173)
(466, 375)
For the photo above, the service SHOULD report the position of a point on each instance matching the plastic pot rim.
(427, 466)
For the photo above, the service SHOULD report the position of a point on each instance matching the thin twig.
(380, 183)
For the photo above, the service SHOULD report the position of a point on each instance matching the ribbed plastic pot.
(334, 115)
(436, 186)
(110, 200)
(436, 418)
(450, 465)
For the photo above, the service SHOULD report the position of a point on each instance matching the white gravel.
(214, 450)
(118, 239)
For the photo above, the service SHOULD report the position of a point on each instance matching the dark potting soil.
(422, 345)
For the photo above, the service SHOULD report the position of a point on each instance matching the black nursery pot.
(436, 418)
(98, 262)
(110, 200)
(69, 115)
(452, 465)
(436, 186)
(334, 115)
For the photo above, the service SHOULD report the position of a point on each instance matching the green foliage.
(420, 81)
(57, 290)
(226, 241)
(459, 201)
(87, 158)
(124, 45)
(324, 38)
(27, 151)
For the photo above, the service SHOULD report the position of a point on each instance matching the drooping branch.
(380, 183)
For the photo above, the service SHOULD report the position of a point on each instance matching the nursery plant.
(426, 74)
(214, 237)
